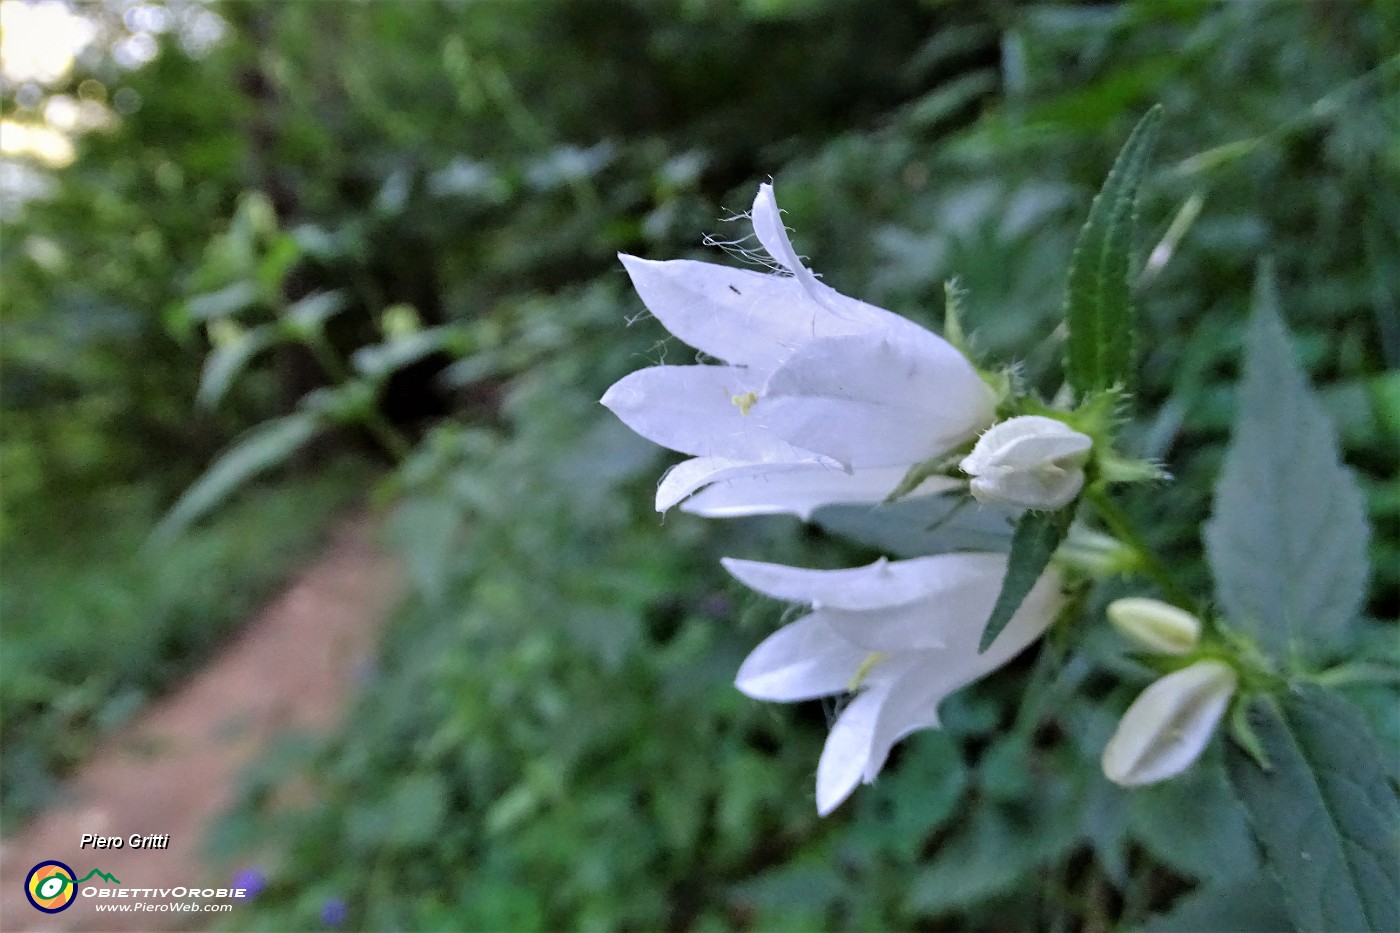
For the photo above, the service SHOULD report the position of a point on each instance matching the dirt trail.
(176, 767)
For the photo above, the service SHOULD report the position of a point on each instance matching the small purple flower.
(334, 912)
(251, 880)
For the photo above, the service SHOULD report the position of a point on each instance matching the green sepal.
(1244, 735)
(953, 298)
(922, 471)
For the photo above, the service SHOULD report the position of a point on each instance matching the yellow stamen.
(745, 401)
(875, 657)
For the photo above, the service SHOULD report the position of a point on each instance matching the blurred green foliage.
(97, 623)
(550, 738)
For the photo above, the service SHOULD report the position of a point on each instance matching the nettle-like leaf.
(1098, 294)
(1287, 541)
(1037, 536)
(1325, 813)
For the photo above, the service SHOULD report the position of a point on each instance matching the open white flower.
(1031, 461)
(821, 398)
(902, 635)
(1167, 727)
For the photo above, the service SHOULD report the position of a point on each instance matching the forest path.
(177, 766)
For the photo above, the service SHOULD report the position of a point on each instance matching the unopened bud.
(224, 332)
(1030, 461)
(1155, 625)
(1169, 724)
(400, 321)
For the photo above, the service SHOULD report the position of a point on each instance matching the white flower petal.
(874, 401)
(911, 703)
(1037, 437)
(686, 477)
(737, 315)
(1167, 727)
(800, 661)
(913, 700)
(847, 750)
(692, 409)
(1058, 448)
(874, 586)
(943, 593)
(1029, 461)
(1047, 488)
(769, 228)
(802, 489)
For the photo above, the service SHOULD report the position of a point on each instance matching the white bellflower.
(901, 635)
(820, 398)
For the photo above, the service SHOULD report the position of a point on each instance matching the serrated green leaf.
(1327, 818)
(224, 363)
(1287, 540)
(260, 449)
(1243, 904)
(1194, 824)
(1098, 293)
(1037, 536)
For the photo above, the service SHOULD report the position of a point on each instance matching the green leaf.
(416, 809)
(379, 360)
(1327, 818)
(921, 525)
(309, 314)
(998, 850)
(224, 363)
(1098, 294)
(1037, 536)
(1239, 904)
(1287, 541)
(260, 449)
(1194, 824)
(225, 301)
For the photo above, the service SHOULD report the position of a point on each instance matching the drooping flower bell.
(900, 635)
(1031, 461)
(821, 398)
(1167, 727)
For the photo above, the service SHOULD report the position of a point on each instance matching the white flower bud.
(1031, 461)
(1155, 625)
(1169, 724)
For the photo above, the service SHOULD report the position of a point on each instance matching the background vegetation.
(388, 230)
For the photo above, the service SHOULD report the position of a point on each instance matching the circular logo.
(51, 886)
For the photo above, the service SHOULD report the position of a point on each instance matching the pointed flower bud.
(1030, 461)
(1169, 724)
(1155, 625)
